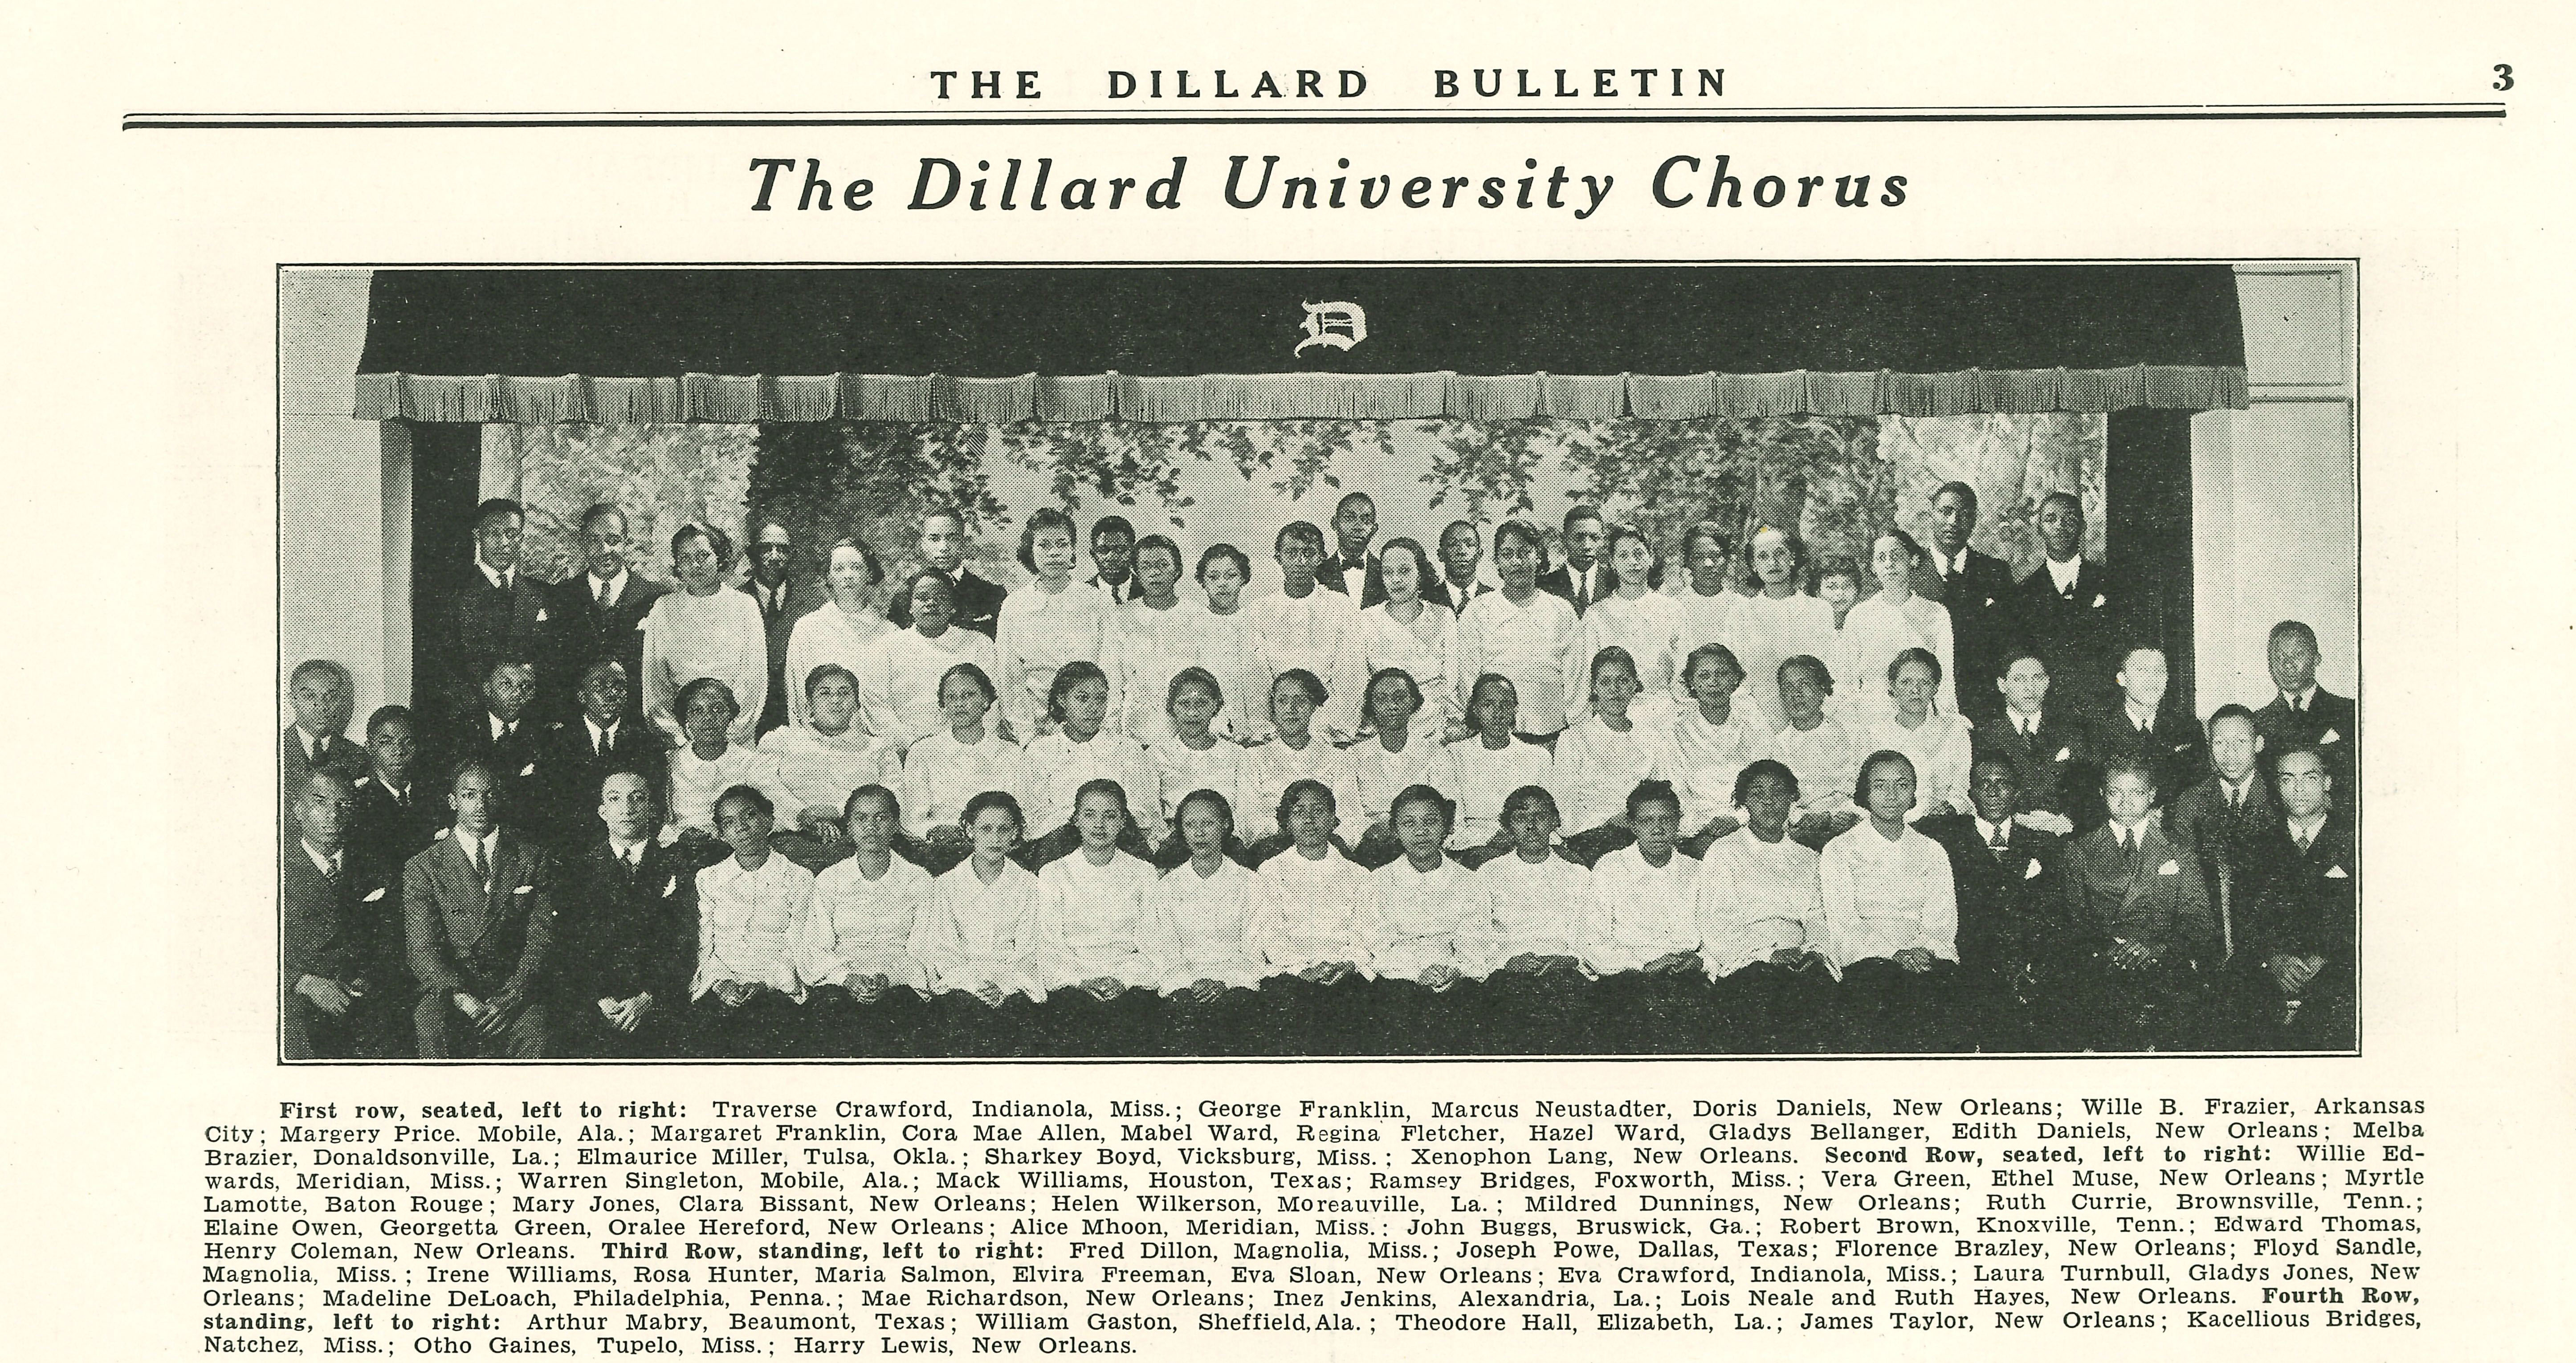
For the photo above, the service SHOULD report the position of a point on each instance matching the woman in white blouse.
(1229, 647)
(1492, 762)
(975, 939)
(899, 678)
(1647, 623)
(1534, 986)
(1891, 914)
(1601, 760)
(1150, 639)
(1054, 768)
(1209, 900)
(1713, 739)
(1907, 719)
(1100, 948)
(1780, 620)
(1887, 624)
(704, 630)
(1316, 919)
(1712, 611)
(1522, 632)
(1760, 901)
(1293, 753)
(1191, 756)
(947, 770)
(820, 760)
(1393, 757)
(869, 992)
(1420, 637)
(843, 630)
(1051, 621)
(1642, 936)
(752, 908)
(1431, 911)
(711, 762)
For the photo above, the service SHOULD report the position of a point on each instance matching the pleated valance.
(1168, 344)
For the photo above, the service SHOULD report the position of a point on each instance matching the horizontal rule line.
(2105, 113)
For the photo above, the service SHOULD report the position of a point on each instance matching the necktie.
(331, 870)
(2304, 840)
(2235, 801)
(603, 596)
(1998, 844)
(2129, 851)
(474, 854)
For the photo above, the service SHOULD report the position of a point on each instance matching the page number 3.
(2504, 78)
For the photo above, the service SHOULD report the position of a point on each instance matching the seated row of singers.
(808, 769)
(633, 946)
(1342, 614)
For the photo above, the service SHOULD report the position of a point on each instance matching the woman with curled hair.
(844, 629)
(1190, 756)
(1148, 640)
(856, 952)
(946, 770)
(1046, 623)
(975, 941)
(1526, 954)
(1228, 646)
(1647, 623)
(712, 762)
(1601, 760)
(1642, 937)
(1100, 948)
(1907, 718)
(1492, 762)
(1820, 749)
(1393, 757)
(1078, 749)
(1885, 626)
(1760, 901)
(1781, 621)
(1209, 900)
(1430, 913)
(1294, 752)
(1313, 929)
(1891, 915)
(703, 630)
(820, 760)
(1417, 636)
(900, 675)
(1522, 632)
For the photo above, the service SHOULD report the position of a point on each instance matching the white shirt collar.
(494, 576)
(310, 741)
(2301, 700)
(601, 737)
(2025, 724)
(616, 586)
(2235, 792)
(1949, 565)
(322, 862)
(2309, 829)
(2136, 832)
(491, 842)
(1986, 831)
(631, 852)
(2129, 708)
(497, 723)
(2063, 574)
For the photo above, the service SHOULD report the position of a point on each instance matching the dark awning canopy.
(1178, 343)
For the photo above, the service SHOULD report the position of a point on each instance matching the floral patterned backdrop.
(1836, 478)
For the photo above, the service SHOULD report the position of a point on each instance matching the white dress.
(1708, 757)
(1227, 647)
(973, 933)
(1755, 898)
(1095, 921)
(941, 774)
(1039, 631)
(696, 784)
(1653, 628)
(1427, 650)
(860, 926)
(1423, 917)
(1211, 918)
(721, 636)
(1145, 649)
(1486, 778)
(816, 769)
(750, 923)
(1940, 749)
(1527, 643)
(1054, 768)
(1314, 912)
(1826, 761)
(899, 679)
(1639, 913)
(1180, 769)
(1538, 909)
(1882, 897)
(1320, 633)
(1372, 777)
(1597, 767)
(1270, 768)
(1777, 629)
(828, 634)
(1875, 632)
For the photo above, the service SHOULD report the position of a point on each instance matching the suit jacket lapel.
(2151, 854)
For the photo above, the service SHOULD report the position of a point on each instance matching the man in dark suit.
(2221, 816)
(318, 740)
(943, 546)
(1113, 556)
(574, 757)
(598, 612)
(397, 816)
(1351, 569)
(2051, 753)
(2144, 728)
(337, 964)
(782, 603)
(2137, 928)
(2069, 610)
(1584, 577)
(2304, 713)
(1975, 588)
(503, 734)
(2298, 929)
(2007, 897)
(1461, 549)
(501, 615)
(479, 924)
(629, 909)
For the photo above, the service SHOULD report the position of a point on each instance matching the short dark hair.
(1044, 518)
(2138, 766)
(472, 764)
(1224, 807)
(599, 511)
(1101, 785)
(1913, 549)
(1417, 794)
(690, 693)
(1580, 511)
(2062, 495)
(1162, 542)
(1527, 534)
(977, 803)
(1764, 766)
(1654, 561)
(2297, 628)
(603, 667)
(868, 556)
(1653, 792)
(746, 796)
(1350, 497)
(1112, 525)
(389, 714)
(1532, 795)
(1860, 786)
(972, 673)
(1426, 570)
(1193, 675)
(718, 542)
(2290, 750)
(871, 791)
(1067, 677)
(1995, 757)
(1608, 654)
(1368, 696)
(913, 584)
(2231, 710)
(1305, 681)
(1707, 652)
(1306, 785)
(823, 673)
(1917, 654)
(497, 506)
(1707, 530)
(1958, 489)
(2015, 653)
(1298, 530)
(1242, 562)
(1809, 664)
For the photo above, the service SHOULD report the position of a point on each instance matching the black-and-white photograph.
(1300, 661)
